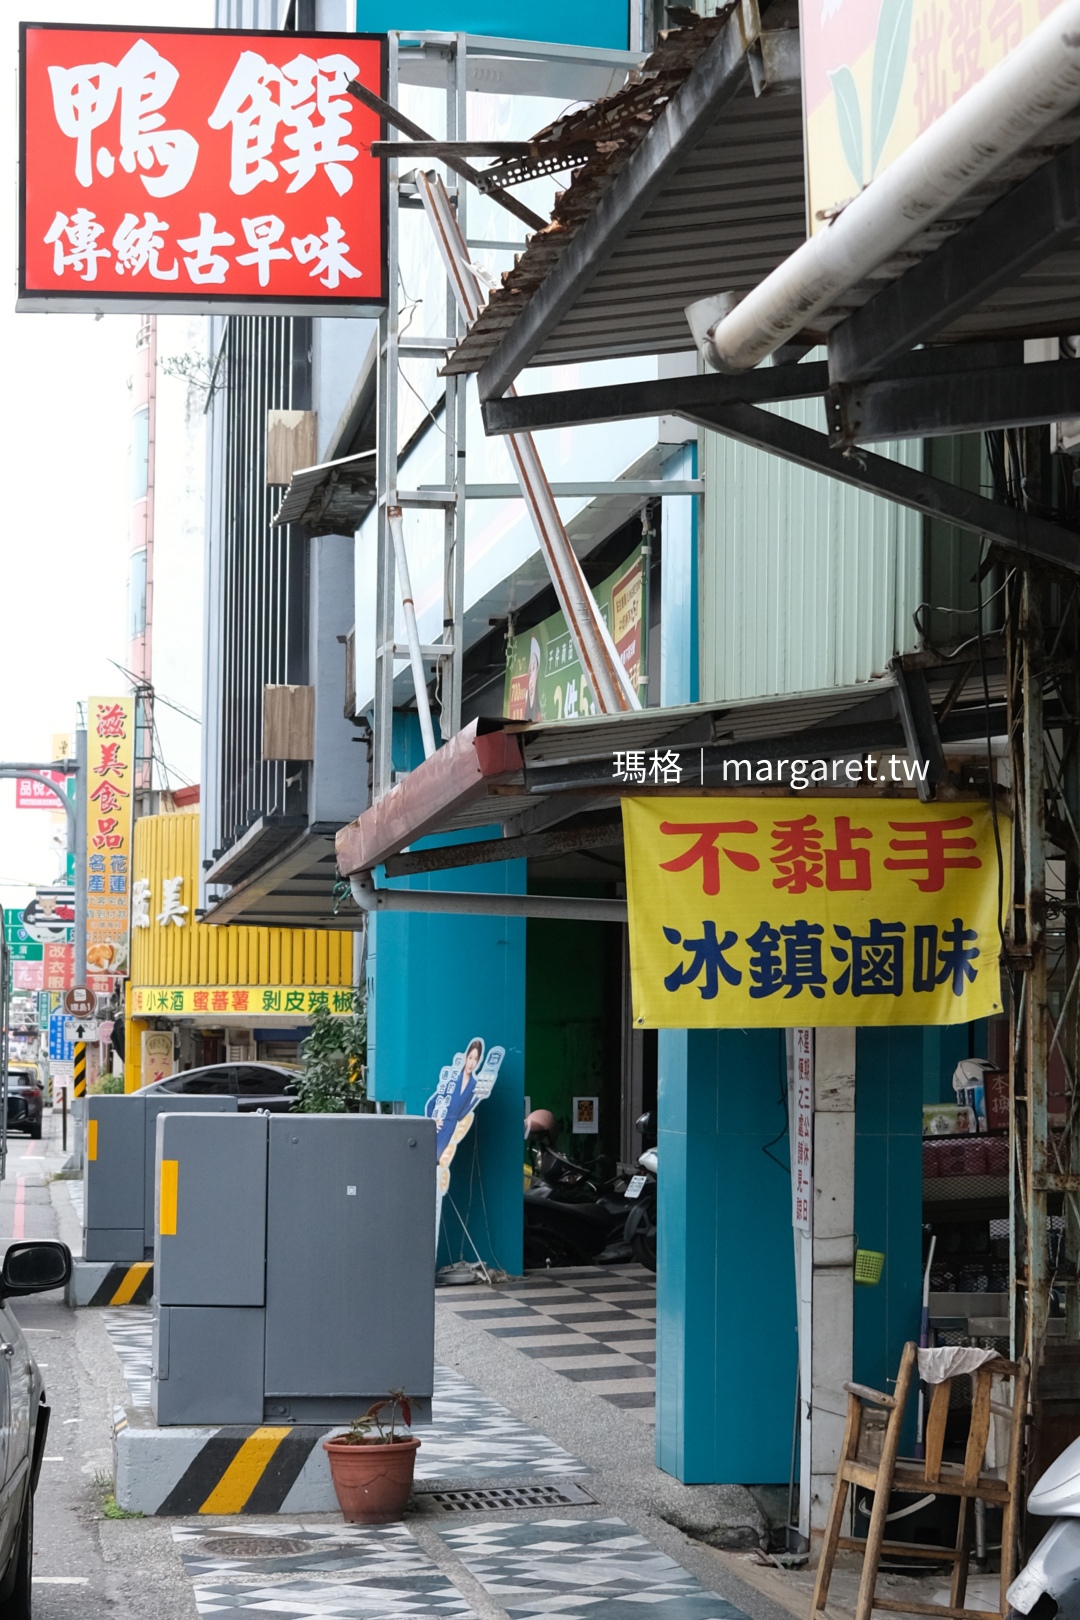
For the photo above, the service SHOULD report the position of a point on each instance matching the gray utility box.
(118, 1171)
(296, 1284)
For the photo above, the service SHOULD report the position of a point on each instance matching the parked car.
(29, 1268)
(25, 1098)
(254, 1085)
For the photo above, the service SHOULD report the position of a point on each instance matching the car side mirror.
(33, 1267)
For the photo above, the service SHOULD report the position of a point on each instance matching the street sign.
(80, 1002)
(81, 1029)
(61, 1049)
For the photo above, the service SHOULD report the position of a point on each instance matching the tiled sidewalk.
(577, 1569)
(592, 1325)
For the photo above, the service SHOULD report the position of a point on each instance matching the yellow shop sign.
(779, 913)
(248, 1000)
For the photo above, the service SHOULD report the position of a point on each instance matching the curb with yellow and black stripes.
(272, 1468)
(104, 1282)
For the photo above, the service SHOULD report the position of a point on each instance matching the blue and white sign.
(61, 1050)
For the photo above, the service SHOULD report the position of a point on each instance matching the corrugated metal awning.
(523, 778)
(714, 187)
(332, 498)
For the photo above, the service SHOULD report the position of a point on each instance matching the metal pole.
(423, 708)
(81, 792)
(63, 1118)
(386, 443)
(1037, 1260)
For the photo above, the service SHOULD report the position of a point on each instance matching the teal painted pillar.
(679, 585)
(726, 1323)
(893, 1066)
(434, 981)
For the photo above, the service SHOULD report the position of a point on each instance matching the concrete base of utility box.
(105, 1282)
(264, 1468)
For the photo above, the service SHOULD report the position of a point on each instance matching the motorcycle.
(639, 1232)
(573, 1215)
(1049, 1583)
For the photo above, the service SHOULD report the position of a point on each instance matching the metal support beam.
(530, 413)
(1037, 216)
(920, 725)
(536, 847)
(963, 402)
(387, 110)
(1019, 533)
(467, 903)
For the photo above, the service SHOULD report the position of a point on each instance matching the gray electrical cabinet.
(295, 1279)
(118, 1173)
(113, 1175)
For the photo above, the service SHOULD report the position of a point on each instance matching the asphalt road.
(85, 1564)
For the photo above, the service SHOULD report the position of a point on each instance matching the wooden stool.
(931, 1477)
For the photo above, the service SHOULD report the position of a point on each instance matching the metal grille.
(261, 583)
(564, 1494)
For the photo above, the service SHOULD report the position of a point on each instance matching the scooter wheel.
(644, 1247)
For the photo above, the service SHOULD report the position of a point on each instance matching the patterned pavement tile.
(582, 1322)
(581, 1569)
(298, 1572)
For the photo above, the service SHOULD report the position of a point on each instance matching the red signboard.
(32, 794)
(58, 967)
(197, 170)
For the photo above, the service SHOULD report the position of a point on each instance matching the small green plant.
(360, 1429)
(111, 1509)
(332, 1078)
(107, 1085)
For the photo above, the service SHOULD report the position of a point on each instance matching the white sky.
(64, 544)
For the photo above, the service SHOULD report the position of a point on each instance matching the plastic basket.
(868, 1266)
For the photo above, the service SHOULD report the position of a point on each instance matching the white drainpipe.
(564, 908)
(1027, 92)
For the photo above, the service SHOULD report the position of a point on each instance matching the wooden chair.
(968, 1480)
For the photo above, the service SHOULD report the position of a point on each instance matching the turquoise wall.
(564, 22)
(726, 1323)
(434, 981)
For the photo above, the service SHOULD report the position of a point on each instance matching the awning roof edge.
(461, 770)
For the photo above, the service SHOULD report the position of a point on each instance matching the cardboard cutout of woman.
(462, 1085)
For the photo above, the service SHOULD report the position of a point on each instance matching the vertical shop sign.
(170, 171)
(108, 833)
(802, 1130)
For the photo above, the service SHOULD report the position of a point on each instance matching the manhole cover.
(254, 1546)
(510, 1496)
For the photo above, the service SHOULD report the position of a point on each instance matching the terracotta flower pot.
(372, 1482)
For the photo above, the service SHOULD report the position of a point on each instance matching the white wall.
(179, 528)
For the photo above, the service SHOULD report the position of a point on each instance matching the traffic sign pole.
(81, 791)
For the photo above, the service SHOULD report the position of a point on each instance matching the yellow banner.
(110, 779)
(252, 1000)
(876, 73)
(778, 913)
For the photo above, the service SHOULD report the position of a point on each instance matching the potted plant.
(372, 1464)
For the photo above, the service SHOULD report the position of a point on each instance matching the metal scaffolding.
(453, 64)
